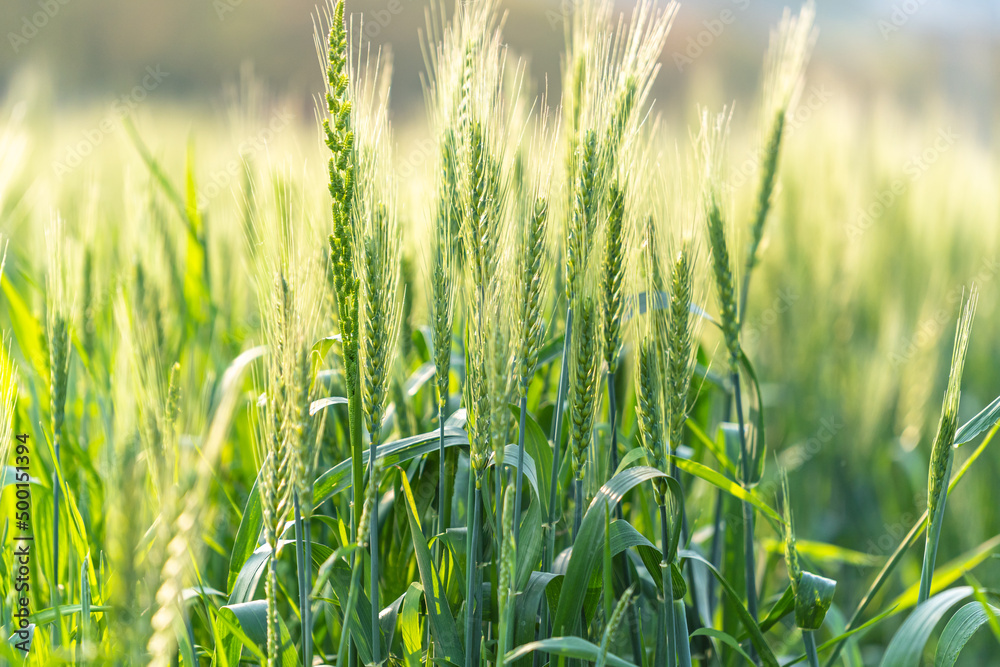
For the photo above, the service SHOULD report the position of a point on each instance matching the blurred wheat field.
(203, 413)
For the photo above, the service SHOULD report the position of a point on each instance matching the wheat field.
(350, 388)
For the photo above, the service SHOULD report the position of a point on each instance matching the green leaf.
(813, 600)
(551, 351)
(446, 642)
(907, 644)
(47, 615)
(823, 552)
(587, 546)
(29, 334)
(959, 631)
(338, 478)
(323, 403)
(526, 606)
(536, 445)
(247, 579)
(340, 581)
(529, 549)
(409, 624)
(781, 608)
(249, 531)
(758, 444)
(985, 420)
(713, 447)
(245, 626)
(510, 460)
(720, 481)
(756, 636)
(567, 647)
(991, 615)
(324, 345)
(725, 638)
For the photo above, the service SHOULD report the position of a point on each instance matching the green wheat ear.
(340, 140)
(533, 279)
(583, 383)
(613, 277)
(942, 454)
(680, 343)
(791, 554)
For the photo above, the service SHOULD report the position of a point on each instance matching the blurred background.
(917, 52)
(889, 204)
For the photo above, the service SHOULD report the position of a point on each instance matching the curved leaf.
(245, 626)
(908, 643)
(249, 531)
(959, 631)
(813, 600)
(985, 420)
(567, 647)
(444, 629)
(725, 638)
(756, 636)
(338, 478)
(720, 481)
(589, 540)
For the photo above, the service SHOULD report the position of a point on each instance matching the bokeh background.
(852, 315)
(917, 52)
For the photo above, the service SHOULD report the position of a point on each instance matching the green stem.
(273, 638)
(578, 507)
(472, 610)
(667, 602)
(810, 643)
(357, 467)
(520, 468)
(681, 633)
(748, 545)
(308, 639)
(352, 598)
(300, 567)
(57, 626)
(373, 546)
(441, 527)
(549, 554)
(933, 535)
(472, 534)
(613, 419)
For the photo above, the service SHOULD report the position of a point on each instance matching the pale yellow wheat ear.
(788, 54)
(712, 139)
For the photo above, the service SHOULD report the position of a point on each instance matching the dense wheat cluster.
(555, 398)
